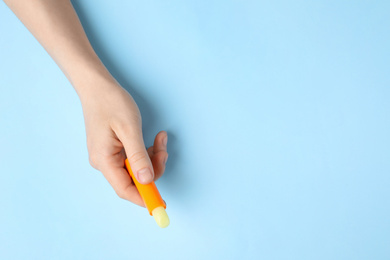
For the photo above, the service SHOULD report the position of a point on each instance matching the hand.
(114, 133)
(112, 119)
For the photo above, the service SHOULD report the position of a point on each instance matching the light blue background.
(278, 117)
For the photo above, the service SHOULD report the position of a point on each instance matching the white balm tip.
(161, 217)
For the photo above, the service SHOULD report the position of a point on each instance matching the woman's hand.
(114, 133)
(112, 119)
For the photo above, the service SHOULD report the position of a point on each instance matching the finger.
(150, 151)
(159, 161)
(160, 142)
(137, 155)
(122, 184)
(160, 155)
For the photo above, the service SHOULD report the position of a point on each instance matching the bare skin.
(112, 118)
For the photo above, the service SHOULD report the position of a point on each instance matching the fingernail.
(165, 140)
(145, 176)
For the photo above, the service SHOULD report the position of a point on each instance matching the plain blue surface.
(278, 115)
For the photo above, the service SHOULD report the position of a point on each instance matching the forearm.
(55, 24)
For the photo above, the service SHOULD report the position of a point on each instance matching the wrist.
(92, 80)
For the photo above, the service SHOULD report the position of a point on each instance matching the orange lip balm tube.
(152, 198)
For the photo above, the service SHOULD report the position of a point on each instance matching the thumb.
(138, 157)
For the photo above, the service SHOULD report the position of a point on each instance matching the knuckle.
(118, 124)
(136, 157)
(93, 160)
(125, 125)
(120, 194)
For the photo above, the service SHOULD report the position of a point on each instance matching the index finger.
(122, 184)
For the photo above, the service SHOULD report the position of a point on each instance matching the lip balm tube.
(152, 199)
